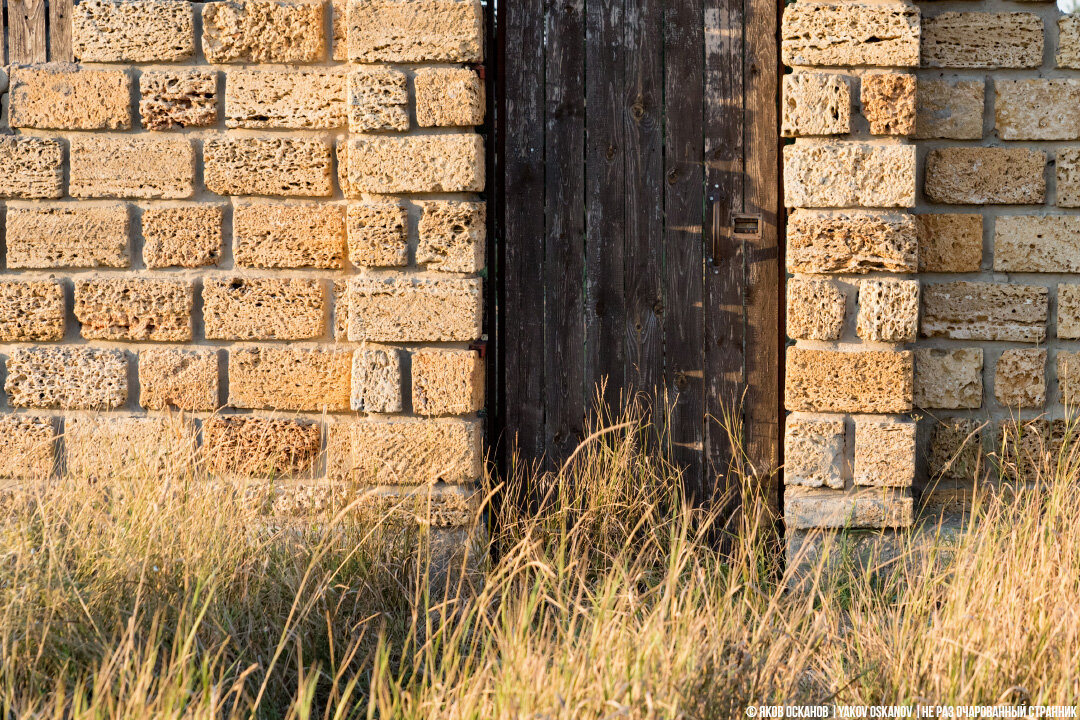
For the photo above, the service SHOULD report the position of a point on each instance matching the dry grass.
(155, 596)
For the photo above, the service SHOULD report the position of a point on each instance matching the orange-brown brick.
(274, 378)
(452, 235)
(837, 381)
(59, 96)
(68, 235)
(248, 446)
(447, 382)
(183, 379)
(415, 31)
(182, 235)
(288, 166)
(239, 308)
(274, 235)
(138, 166)
(134, 308)
(182, 97)
(31, 310)
(31, 167)
(271, 31)
(377, 234)
(888, 101)
(288, 99)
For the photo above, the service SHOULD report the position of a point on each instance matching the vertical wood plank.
(26, 31)
(682, 241)
(564, 346)
(60, 31)
(3, 35)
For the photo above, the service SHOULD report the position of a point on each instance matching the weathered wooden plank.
(60, 31)
(564, 346)
(26, 31)
(683, 320)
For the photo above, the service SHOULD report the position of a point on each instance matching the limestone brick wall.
(933, 247)
(250, 230)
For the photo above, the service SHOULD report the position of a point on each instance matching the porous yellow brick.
(985, 176)
(132, 31)
(1068, 52)
(888, 102)
(405, 451)
(275, 235)
(948, 379)
(1020, 378)
(264, 31)
(453, 235)
(378, 99)
(806, 508)
(950, 242)
(69, 378)
(100, 446)
(851, 242)
(409, 31)
(182, 235)
(247, 446)
(31, 310)
(241, 308)
(403, 308)
(68, 235)
(847, 174)
(271, 378)
(985, 311)
(1037, 108)
(814, 451)
(1068, 177)
(448, 97)
(289, 166)
(26, 447)
(182, 379)
(837, 381)
(377, 234)
(134, 308)
(340, 47)
(848, 33)
(376, 380)
(178, 97)
(815, 309)
(888, 310)
(885, 453)
(951, 109)
(982, 40)
(288, 99)
(1068, 311)
(419, 163)
(31, 167)
(139, 166)
(447, 382)
(59, 96)
(816, 104)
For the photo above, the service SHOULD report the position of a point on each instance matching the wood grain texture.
(26, 31)
(60, 31)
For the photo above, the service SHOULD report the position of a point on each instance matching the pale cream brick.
(1068, 376)
(1020, 378)
(31, 167)
(378, 99)
(100, 446)
(814, 451)
(982, 40)
(139, 166)
(1068, 51)
(59, 96)
(182, 235)
(31, 310)
(290, 379)
(950, 243)
(341, 152)
(135, 308)
(241, 308)
(956, 449)
(815, 309)
(1068, 311)
(816, 104)
(806, 508)
(246, 446)
(824, 242)
(377, 234)
(949, 379)
(453, 235)
(273, 235)
(1033, 243)
(376, 380)
(407, 31)
(885, 453)
(264, 31)
(837, 381)
(986, 176)
(68, 235)
(448, 97)
(182, 379)
(848, 174)
(888, 310)
(985, 311)
(340, 46)
(847, 33)
(289, 99)
(67, 377)
(888, 102)
(268, 166)
(1037, 109)
(180, 97)
(403, 308)
(405, 451)
(950, 109)
(26, 447)
(1068, 177)
(447, 382)
(132, 31)
(419, 163)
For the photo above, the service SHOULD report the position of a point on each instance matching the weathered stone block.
(837, 381)
(1068, 51)
(985, 311)
(405, 451)
(137, 166)
(68, 235)
(848, 174)
(948, 379)
(1022, 447)
(1068, 377)
(31, 310)
(340, 46)
(97, 447)
(26, 447)
(956, 449)
(888, 310)
(814, 451)
(178, 97)
(408, 31)
(986, 176)
(823, 242)
(806, 508)
(135, 308)
(376, 380)
(268, 166)
(377, 234)
(340, 293)
(417, 163)
(31, 167)
(452, 235)
(447, 382)
(982, 40)
(246, 446)
(1068, 311)
(264, 31)
(1037, 109)
(950, 243)
(68, 378)
(816, 104)
(273, 235)
(817, 33)
(290, 99)
(132, 31)
(315, 380)
(950, 109)
(1031, 243)
(378, 99)
(888, 102)
(815, 309)
(1020, 378)
(403, 308)
(243, 308)
(59, 96)
(885, 453)
(182, 236)
(448, 97)
(182, 379)
(1068, 177)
